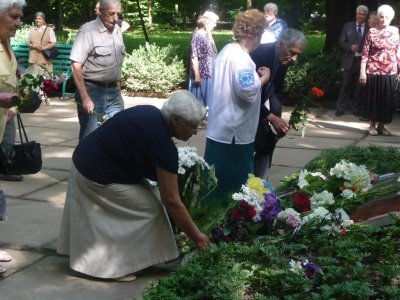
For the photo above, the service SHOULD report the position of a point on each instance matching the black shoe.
(11, 177)
(363, 119)
(339, 113)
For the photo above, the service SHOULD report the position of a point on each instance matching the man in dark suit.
(351, 41)
(277, 57)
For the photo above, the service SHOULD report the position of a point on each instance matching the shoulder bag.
(21, 159)
(49, 53)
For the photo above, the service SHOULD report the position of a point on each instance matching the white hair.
(185, 105)
(386, 10)
(362, 7)
(6, 5)
(214, 17)
(272, 6)
(104, 4)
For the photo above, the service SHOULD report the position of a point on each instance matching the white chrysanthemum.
(322, 199)
(181, 170)
(302, 182)
(346, 221)
(317, 213)
(295, 266)
(237, 196)
(347, 194)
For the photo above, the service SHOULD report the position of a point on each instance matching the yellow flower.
(257, 184)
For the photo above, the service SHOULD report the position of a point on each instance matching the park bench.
(61, 63)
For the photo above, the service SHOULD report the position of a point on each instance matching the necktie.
(359, 34)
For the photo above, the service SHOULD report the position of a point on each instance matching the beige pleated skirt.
(113, 230)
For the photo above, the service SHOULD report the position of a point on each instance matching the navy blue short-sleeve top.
(127, 148)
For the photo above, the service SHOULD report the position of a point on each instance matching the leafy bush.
(153, 68)
(321, 71)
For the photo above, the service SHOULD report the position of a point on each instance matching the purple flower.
(271, 209)
(311, 269)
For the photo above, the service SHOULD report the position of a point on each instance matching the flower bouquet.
(345, 186)
(300, 110)
(251, 212)
(257, 211)
(196, 179)
(35, 83)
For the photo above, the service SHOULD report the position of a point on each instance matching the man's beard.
(269, 18)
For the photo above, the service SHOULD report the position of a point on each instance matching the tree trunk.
(249, 3)
(149, 11)
(58, 9)
(338, 12)
(142, 22)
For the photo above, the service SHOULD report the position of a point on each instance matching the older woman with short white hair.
(114, 222)
(380, 63)
(10, 21)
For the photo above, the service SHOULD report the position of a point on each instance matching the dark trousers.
(351, 87)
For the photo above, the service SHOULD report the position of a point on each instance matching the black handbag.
(21, 159)
(49, 53)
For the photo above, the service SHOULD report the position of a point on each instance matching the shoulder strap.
(21, 129)
(43, 35)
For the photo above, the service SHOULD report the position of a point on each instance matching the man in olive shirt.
(97, 56)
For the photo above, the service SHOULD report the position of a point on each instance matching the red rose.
(251, 211)
(49, 86)
(237, 214)
(302, 202)
(317, 92)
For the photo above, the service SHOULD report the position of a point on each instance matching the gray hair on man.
(293, 36)
(104, 4)
(184, 105)
(362, 7)
(6, 5)
(271, 6)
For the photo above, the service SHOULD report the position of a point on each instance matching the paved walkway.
(35, 205)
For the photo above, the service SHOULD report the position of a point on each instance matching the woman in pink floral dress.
(379, 68)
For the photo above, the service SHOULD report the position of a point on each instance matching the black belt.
(105, 84)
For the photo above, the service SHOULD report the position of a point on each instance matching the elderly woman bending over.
(234, 104)
(114, 223)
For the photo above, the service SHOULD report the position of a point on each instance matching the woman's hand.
(197, 80)
(202, 241)
(264, 74)
(363, 79)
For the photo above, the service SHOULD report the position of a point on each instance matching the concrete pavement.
(35, 204)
